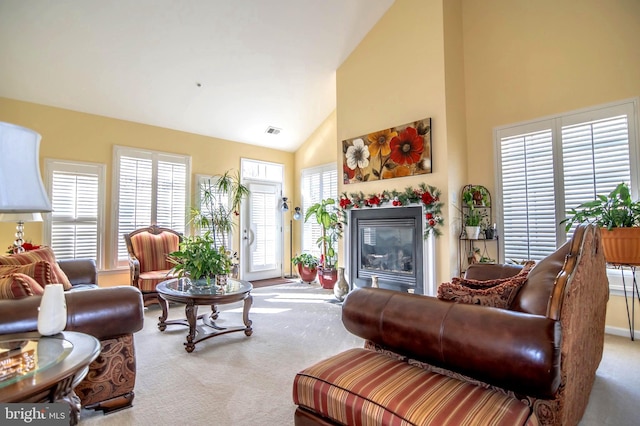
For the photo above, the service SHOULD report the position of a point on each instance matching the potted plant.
(618, 217)
(220, 203)
(326, 214)
(201, 261)
(307, 265)
(472, 221)
(476, 195)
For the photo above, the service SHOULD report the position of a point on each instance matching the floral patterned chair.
(148, 258)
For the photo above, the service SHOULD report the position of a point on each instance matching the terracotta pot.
(306, 273)
(327, 277)
(621, 245)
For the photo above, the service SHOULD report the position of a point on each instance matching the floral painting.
(396, 152)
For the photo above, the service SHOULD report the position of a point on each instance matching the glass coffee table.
(202, 327)
(34, 368)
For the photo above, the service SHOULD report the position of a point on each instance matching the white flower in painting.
(357, 155)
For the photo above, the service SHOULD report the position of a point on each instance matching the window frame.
(79, 167)
(555, 123)
(155, 156)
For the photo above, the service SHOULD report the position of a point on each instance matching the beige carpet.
(238, 380)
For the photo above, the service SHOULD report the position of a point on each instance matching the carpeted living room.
(419, 120)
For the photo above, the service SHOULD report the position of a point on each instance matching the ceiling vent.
(273, 130)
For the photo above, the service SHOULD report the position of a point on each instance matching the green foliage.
(306, 259)
(199, 258)
(473, 217)
(616, 210)
(220, 202)
(326, 214)
(475, 195)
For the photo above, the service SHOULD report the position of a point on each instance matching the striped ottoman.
(362, 387)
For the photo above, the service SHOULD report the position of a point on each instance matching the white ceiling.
(260, 63)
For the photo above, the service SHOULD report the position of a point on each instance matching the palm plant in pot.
(201, 261)
(307, 265)
(618, 217)
(326, 215)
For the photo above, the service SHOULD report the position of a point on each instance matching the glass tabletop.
(185, 287)
(24, 358)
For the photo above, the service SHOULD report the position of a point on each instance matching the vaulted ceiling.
(222, 68)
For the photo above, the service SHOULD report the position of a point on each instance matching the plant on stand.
(219, 206)
(307, 265)
(618, 217)
(326, 215)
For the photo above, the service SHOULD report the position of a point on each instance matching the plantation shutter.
(317, 184)
(595, 157)
(73, 229)
(263, 205)
(152, 188)
(550, 166)
(528, 195)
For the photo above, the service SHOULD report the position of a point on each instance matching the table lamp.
(21, 190)
(20, 219)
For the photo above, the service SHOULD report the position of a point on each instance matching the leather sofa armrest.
(102, 312)
(80, 271)
(512, 350)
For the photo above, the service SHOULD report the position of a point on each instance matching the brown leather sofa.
(111, 315)
(541, 353)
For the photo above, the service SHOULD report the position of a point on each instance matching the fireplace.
(388, 243)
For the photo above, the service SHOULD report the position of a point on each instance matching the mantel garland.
(427, 195)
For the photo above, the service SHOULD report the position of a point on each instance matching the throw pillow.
(477, 284)
(497, 293)
(43, 253)
(39, 271)
(16, 286)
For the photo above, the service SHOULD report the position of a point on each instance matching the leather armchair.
(543, 350)
(148, 250)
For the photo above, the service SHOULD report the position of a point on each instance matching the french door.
(262, 231)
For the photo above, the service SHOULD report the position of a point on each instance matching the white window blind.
(74, 227)
(151, 188)
(318, 183)
(549, 166)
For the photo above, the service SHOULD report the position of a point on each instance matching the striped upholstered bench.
(364, 387)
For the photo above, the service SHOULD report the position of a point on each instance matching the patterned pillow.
(44, 253)
(39, 271)
(497, 293)
(17, 286)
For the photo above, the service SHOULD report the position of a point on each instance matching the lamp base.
(17, 244)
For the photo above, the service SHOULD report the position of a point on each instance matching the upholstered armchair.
(148, 258)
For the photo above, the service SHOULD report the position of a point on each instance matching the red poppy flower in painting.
(348, 173)
(406, 148)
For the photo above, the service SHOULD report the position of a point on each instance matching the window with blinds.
(150, 188)
(549, 166)
(318, 183)
(74, 228)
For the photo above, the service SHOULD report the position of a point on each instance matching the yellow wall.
(84, 137)
(397, 75)
(528, 59)
(319, 149)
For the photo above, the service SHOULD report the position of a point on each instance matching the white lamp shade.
(21, 188)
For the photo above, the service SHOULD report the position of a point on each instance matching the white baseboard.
(617, 331)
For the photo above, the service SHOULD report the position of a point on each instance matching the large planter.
(621, 245)
(327, 277)
(307, 274)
